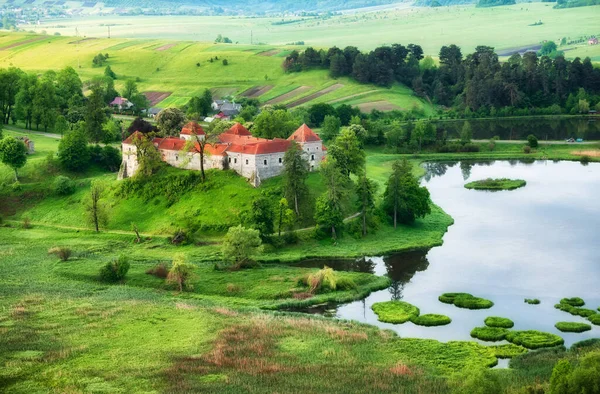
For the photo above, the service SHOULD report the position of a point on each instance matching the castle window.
(229, 159)
(234, 161)
(280, 160)
(246, 161)
(264, 161)
(176, 157)
(312, 157)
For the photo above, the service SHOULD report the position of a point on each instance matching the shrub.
(181, 273)
(431, 319)
(344, 283)
(527, 149)
(503, 322)
(396, 312)
(233, 289)
(532, 141)
(533, 339)
(61, 252)
(491, 334)
(26, 222)
(115, 270)
(509, 350)
(532, 301)
(476, 381)
(63, 185)
(160, 271)
(585, 159)
(324, 280)
(574, 301)
(572, 327)
(595, 319)
(465, 300)
(16, 186)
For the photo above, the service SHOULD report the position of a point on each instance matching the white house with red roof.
(253, 158)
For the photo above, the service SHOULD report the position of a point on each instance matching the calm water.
(540, 241)
(587, 128)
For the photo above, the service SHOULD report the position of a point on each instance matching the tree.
(404, 200)
(131, 89)
(73, 153)
(366, 190)
(13, 153)
(141, 125)
(331, 128)
(170, 121)
(95, 209)
(295, 172)
(61, 125)
(261, 216)
(181, 273)
(532, 141)
(95, 114)
(200, 105)
(285, 216)
(318, 112)
(9, 88)
(140, 103)
(108, 72)
(347, 152)
(198, 144)
(240, 244)
(44, 105)
(69, 89)
(424, 132)
(115, 270)
(148, 157)
(329, 207)
(466, 133)
(274, 123)
(24, 107)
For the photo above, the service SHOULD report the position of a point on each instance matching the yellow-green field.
(172, 66)
(466, 26)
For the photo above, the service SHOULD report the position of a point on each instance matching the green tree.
(95, 209)
(45, 110)
(404, 200)
(295, 172)
(347, 152)
(9, 88)
(423, 133)
(73, 153)
(331, 128)
(261, 216)
(69, 89)
(112, 131)
(24, 107)
(559, 381)
(61, 125)
(181, 273)
(170, 121)
(285, 216)
(366, 191)
(329, 207)
(148, 157)
(532, 141)
(466, 133)
(130, 89)
(13, 153)
(95, 113)
(240, 244)
(274, 123)
(140, 103)
(108, 72)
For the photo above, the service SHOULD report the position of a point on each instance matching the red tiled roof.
(304, 134)
(261, 148)
(178, 144)
(238, 129)
(192, 128)
(129, 140)
(118, 101)
(240, 139)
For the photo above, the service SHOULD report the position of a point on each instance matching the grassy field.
(467, 26)
(171, 66)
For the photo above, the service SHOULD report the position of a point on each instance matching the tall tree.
(347, 152)
(170, 121)
(285, 216)
(148, 157)
(44, 103)
(331, 128)
(24, 107)
(9, 88)
(366, 190)
(73, 153)
(95, 210)
(329, 209)
(295, 173)
(261, 216)
(274, 123)
(69, 89)
(198, 143)
(13, 153)
(131, 89)
(95, 113)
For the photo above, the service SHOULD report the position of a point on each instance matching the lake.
(540, 241)
(587, 128)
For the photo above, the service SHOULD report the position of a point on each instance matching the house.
(231, 109)
(216, 104)
(593, 41)
(255, 159)
(121, 103)
(221, 116)
(152, 112)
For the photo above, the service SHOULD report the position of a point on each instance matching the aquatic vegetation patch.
(595, 319)
(574, 301)
(533, 339)
(431, 319)
(502, 322)
(565, 326)
(532, 301)
(396, 312)
(575, 311)
(509, 350)
(490, 334)
(465, 300)
(496, 184)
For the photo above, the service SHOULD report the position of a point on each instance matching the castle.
(253, 158)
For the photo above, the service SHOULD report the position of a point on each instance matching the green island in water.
(496, 184)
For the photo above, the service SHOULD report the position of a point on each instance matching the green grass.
(533, 339)
(574, 301)
(430, 320)
(508, 350)
(594, 319)
(465, 300)
(575, 311)
(496, 184)
(572, 327)
(532, 301)
(490, 334)
(494, 321)
(396, 312)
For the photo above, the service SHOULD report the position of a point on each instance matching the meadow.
(467, 26)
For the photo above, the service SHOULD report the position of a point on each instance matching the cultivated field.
(466, 26)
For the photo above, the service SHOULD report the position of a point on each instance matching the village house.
(256, 159)
(593, 41)
(121, 103)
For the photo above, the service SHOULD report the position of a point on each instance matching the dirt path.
(289, 95)
(165, 47)
(315, 95)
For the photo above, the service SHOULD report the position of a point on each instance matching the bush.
(321, 281)
(532, 301)
(532, 141)
(396, 312)
(115, 270)
(503, 322)
(533, 339)
(527, 149)
(63, 185)
(430, 320)
(585, 159)
(26, 223)
(465, 300)
(491, 334)
(181, 273)
(160, 271)
(61, 252)
(572, 327)
(574, 301)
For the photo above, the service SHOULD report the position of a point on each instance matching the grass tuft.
(574, 301)
(509, 350)
(430, 320)
(490, 334)
(572, 326)
(575, 311)
(396, 312)
(532, 301)
(594, 319)
(502, 322)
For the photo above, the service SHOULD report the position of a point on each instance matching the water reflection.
(402, 267)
